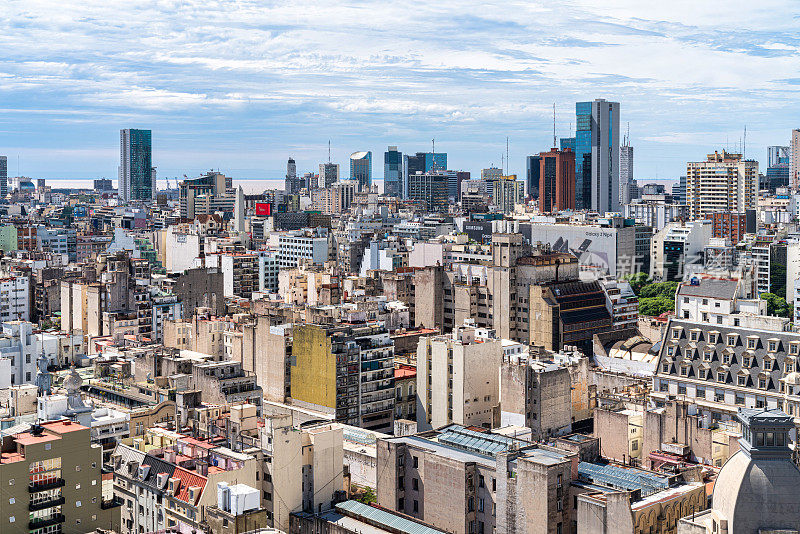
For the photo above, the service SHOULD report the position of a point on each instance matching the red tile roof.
(188, 479)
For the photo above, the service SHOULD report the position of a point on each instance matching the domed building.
(758, 489)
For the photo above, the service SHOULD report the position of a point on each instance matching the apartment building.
(52, 481)
(344, 370)
(15, 298)
(720, 368)
(725, 182)
(457, 379)
(169, 483)
(536, 394)
(239, 271)
(296, 247)
(508, 192)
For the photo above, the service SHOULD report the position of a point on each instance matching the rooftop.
(715, 288)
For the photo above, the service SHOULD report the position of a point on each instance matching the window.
(665, 368)
(401, 504)
(704, 373)
(415, 484)
(480, 504)
(415, 461)
(721, 376)
(773, 346)
(762, 383)
(746, 361)
(684, 371)
(700, 393)
(481, 482)
(416, 505)
(707, 355)
(77, 504)
(741, 380)
(731, 341)
(694, 336)
(676, 334)
(751, 343)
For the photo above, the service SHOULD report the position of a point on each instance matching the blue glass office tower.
(567, 142)
(393, 172)
(361, 169)
(136, 172)
(435, 161)
(597, 156)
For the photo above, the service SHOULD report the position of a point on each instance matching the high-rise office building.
(532, 164)
(724, 182)
(597, 156)
(431, 188)
(567, 142)
(293, 185)
(794, 160)
(490, 175)
(508, 192)
(626, 180)
(778, 166)
(361, 169)
(3, 177)
(393, 172)
(136, 172)
(435, 161)
(556, 181)
(421, 162)
(328, 174)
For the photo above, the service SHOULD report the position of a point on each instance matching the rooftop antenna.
(507, 163)
(554, 125)
(329, 150)
(744, 144)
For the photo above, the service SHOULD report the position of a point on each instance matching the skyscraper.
(557, 181)
(431, 189)
(597, 156)
(532, 164)
(393, 172)
(778, 166)
(293, 185)
(328, 174)
(361, 169)
(794, 160)
(3, 177)
(625, 171)
(136, 173)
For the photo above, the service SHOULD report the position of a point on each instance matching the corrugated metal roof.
(383, 517)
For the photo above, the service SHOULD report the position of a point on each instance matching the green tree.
(638, 281)
(776, 305)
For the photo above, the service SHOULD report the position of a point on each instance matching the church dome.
(757, 487)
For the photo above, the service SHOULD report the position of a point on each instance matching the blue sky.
(242, 85)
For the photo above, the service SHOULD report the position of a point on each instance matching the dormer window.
(762, 383)
(694, 335)
(789, 367)
(670, 351)
(772, 346)
(704, 374)
(726, 358)
(751, 343)
(732, 341)
(707, 355)
(746, 362)
(794, 348)
(665, 368)
(741, 380)
(676, 333)
(721, 376)
(712, 338)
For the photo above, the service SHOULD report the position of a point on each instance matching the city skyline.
(275, 81)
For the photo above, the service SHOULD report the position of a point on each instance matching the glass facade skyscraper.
(136, 172)
(393, 172)
(597, 156)
(532, 165)
(361, 169)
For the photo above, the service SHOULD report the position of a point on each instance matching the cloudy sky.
(242, 85)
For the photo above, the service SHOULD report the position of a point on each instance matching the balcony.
(50, 484)
(46, 504)
(113, 503)
(46, 521)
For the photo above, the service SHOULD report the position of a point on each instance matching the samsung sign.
(480, 231)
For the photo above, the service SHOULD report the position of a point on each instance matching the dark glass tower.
(136, 173)
(393, 172)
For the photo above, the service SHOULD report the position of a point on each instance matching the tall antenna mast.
(628, 135)
(507, 162)
(329, 150)
(744, 144)
(554, 126)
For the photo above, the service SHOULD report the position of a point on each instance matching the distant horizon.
(261, 82)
